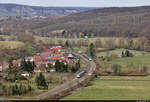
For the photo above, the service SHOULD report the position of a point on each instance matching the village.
(48, 56)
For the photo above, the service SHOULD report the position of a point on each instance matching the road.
(91, 66)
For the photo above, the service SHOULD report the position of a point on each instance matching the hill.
(114, 21)
(24, 10)
(124, 21)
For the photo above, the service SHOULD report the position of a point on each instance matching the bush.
(144, 69)
(41, 81)
(127, 53)
(17, 89)
(116, 68)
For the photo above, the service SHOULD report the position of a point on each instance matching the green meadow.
(114, 90)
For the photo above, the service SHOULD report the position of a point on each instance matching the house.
(37, 70)
(52, 70)
(70, 56)
(86, 37)
(42, 63)
(25, 74)
(37, 58)
(29, 59)
(56, 58)
(1, 68)
(60, 59)
(65, 59)
(43, 70)
(15, 63)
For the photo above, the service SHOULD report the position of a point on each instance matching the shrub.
(116, 68)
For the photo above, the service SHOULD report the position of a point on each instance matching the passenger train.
(86, 56)
(81, 74)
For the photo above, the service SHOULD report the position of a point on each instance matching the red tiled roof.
(66, 59)
(60, 58)
(43, 70)
(40, 63)
(36, 69)
(56, 58)
(36, 57)
(56, 48)
(14, 62)
(39, 70)
(44, 58)
(57, 52)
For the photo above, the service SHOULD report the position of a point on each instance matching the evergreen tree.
(67, 43)
(13, 90)
(10, 64)
(21, 88)
(27, 65)
(50, 66)
(78, 65)
(29, 88)
(73, 69)
(41, 81)
(123, 54)
(92, 50)
(128, 54)
(66, 68)
(57, 66)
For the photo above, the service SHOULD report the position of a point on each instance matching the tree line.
(16, 89)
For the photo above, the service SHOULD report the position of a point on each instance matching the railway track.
(91, 66)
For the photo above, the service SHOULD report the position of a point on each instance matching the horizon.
(78, 3)
(72, 6)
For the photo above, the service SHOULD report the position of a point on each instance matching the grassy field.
(118, 87)
(114, 90)
(11, 44)
(119, 51)
(90, 40)
(137, 60)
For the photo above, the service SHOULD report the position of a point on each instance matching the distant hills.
(24, 10)
(114, 21)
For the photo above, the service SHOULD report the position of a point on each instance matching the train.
(86, 56)
(81, 74)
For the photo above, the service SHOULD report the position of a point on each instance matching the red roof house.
(15, 63)
(37, 70)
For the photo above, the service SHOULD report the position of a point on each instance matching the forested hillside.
(125, 21)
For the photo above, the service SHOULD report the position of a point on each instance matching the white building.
(25, 74)
(29, 59)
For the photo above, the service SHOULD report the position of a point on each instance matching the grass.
(119, 52)
(76, 49)
(118, 90)
(113, 90)
(137, 60)
(11, 44)
(90, 40)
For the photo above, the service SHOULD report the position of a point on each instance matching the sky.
(80, 3)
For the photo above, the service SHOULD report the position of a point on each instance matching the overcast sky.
(88, 3)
